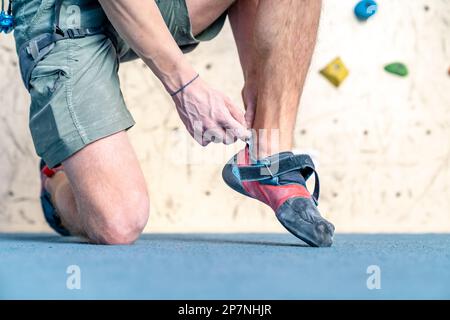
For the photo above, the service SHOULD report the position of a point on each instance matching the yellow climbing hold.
(335, 72)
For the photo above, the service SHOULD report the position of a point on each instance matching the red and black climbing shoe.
(280, 182)
(50, 213)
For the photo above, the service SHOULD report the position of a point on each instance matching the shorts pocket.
(48, 104)
(45, 84)
(49, 74)
(46, 90)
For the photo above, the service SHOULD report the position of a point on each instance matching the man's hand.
(210, 116)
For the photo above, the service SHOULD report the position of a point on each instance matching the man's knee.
(121, 223)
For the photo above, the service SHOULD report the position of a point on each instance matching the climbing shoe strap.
(271, 169)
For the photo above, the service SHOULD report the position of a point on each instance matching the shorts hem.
(62, 149)
(185, 37)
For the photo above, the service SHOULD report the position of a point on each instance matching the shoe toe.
(301, 217)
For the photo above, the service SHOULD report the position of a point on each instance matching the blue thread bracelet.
(184, 86)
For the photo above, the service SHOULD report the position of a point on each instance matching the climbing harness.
(34, 50)
(6, 18)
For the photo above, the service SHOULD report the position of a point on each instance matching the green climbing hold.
(397, 68)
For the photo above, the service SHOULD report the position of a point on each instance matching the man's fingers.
(215, 135)
(202, 141)
(236, 112)
(221, 121)
(230, 137)
(235, 121)
(235, 128)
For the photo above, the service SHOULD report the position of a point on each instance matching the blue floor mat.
(226, 266)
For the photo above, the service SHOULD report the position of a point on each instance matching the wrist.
(184, 86)
(176, 76)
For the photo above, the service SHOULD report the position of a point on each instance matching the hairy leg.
(101, 194)
(204, 12)
(276, 40)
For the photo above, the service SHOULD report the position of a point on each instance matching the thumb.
(236, 112)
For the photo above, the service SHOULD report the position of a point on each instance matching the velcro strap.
(262, 171)
(275, 168)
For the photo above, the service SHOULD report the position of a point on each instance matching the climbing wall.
(382, 142)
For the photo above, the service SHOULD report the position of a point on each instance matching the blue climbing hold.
(365, 9)
(6, 22)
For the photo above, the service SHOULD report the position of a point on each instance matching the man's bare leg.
(101, 195)
(276, 40)
(204, 12)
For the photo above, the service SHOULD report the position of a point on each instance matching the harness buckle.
(39, 46)
(59, 31)
(33, 49)
(75, 33)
